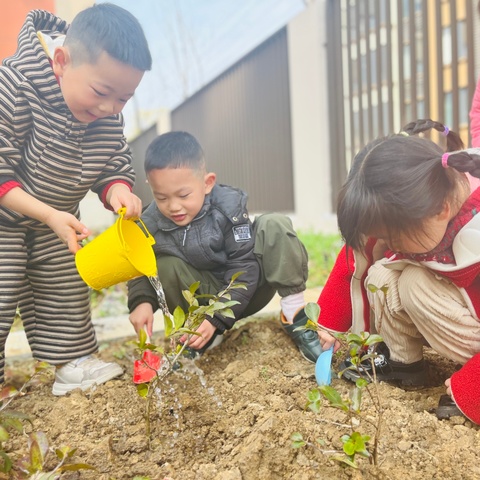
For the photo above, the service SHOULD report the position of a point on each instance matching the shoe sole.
(305, 357)
(60, 389)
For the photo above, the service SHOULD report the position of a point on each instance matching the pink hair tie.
(445, 160)
(446, 131)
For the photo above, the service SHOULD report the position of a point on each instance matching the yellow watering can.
(120, 253)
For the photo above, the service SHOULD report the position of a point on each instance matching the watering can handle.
(121, 212)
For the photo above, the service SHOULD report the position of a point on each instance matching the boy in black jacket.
(203, 233)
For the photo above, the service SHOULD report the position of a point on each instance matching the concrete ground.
(110, 328)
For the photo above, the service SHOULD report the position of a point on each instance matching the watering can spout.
(120, 253)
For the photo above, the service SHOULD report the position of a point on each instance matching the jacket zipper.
(187, 228)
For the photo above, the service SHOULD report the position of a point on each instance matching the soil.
(231, 414)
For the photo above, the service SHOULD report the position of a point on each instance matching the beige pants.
(420, 308)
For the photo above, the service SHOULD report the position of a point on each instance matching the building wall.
(242, 119)
(404, 60)
(310, 121)
(12, 18)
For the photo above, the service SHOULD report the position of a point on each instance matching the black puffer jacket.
(220, 239)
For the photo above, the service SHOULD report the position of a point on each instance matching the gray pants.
(281, 255)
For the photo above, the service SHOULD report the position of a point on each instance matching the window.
(419, 52)
(385, 63)
(462, 39)
(463, 106)
(373, 67)
(448, 106)
(407, 71)
(447, 46)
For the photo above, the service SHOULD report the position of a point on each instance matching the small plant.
(180, 323)
(361, 349)
(32, 465)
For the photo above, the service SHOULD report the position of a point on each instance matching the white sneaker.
(83, 373)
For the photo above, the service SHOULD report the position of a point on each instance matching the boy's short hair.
(108, 28)
(174, 150)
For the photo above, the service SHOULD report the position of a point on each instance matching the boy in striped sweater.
(61, 135)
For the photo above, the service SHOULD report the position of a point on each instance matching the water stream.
(162, 303)
(189, 367)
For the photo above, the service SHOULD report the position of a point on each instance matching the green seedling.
(361, 349)
(177, 325)
(33, 464)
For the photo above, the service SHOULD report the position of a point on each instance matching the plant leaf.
(312, 310)
(178, 318)
(346, 460)
(142, 338)
(356, 398)
(228, 313)
(6, 466)
(168, 325)
(372, 339)
(194, 287)
(36, 457)
(333, 397)
(236, 275)
(354, 338)
(297, 440)
(4, 435)
(7, 392)
(142, 389)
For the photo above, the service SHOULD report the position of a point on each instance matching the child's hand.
(449, 388)
(206, 331)
(68, 228)
(142, 316)
(119, 195)
(327, 340)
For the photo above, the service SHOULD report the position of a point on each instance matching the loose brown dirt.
(233, 419)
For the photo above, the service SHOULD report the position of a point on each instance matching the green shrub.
(322, 251)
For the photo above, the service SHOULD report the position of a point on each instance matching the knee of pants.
(412, 282)
(170, 268)
(379, 276)
(275, 230)
(272, 221)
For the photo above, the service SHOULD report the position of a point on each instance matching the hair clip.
(405, 134)
(445, 160)
(446, 131)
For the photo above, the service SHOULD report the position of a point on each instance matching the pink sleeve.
(465, 385)
(475, 117)
(334, 301)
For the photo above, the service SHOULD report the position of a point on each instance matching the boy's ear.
(210, 179)
(61, 59)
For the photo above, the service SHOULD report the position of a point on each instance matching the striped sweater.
(54, 158)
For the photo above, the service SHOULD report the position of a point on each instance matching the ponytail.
(454, 142)
(465, 161)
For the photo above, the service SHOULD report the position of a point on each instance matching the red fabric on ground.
(465, 385)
